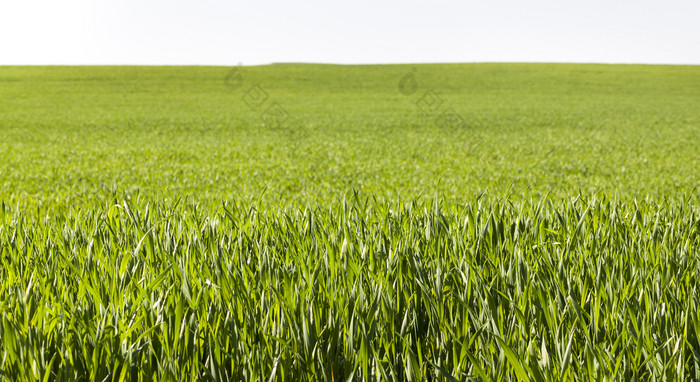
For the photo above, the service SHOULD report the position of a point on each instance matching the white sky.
(216, 32)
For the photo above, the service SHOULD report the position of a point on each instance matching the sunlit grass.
(155, 226)
(585, 289)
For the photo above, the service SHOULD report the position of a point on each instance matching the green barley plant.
(71, 136)
(154, 226)
(582, 289)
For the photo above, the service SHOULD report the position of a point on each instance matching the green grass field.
(516, 222)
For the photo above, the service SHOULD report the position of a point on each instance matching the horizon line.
(366, 64)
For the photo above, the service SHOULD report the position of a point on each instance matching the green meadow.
(485, 222)
(73, 134)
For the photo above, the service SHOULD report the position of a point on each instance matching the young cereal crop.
(586, 289)
(157, 224)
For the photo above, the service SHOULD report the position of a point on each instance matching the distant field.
(486, 222)
(70, 134)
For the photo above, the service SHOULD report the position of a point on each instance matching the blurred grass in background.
(72, 134)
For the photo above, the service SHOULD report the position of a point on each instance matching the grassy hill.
(484, 222)
(73, 133)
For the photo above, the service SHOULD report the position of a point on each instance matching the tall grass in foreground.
(588, 289)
